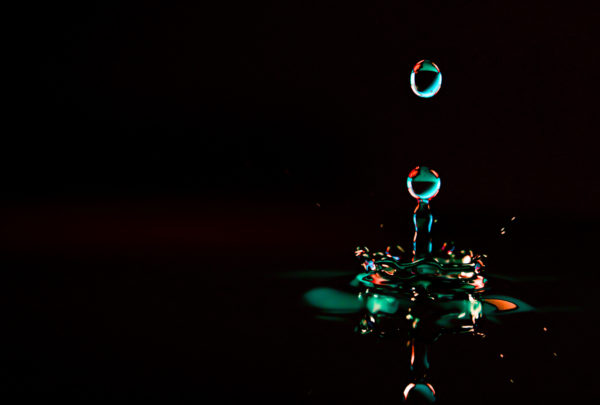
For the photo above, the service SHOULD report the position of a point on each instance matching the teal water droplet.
(425, 79)
(423, 183)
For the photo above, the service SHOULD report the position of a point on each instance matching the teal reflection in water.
(333, 301)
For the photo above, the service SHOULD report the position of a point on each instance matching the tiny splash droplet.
(425, 79)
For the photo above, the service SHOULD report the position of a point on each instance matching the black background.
(164, 162)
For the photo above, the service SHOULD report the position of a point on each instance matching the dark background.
(164, 162)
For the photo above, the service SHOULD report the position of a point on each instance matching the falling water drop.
(425, 79)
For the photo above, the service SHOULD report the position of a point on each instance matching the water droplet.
(419, 393)
(425, 79)
(423, 183)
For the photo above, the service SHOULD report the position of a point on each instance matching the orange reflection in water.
(502, 305)
(378, 279)
(478, 282)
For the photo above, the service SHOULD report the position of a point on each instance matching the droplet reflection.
(419, 394)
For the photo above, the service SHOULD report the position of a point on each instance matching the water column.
(423, 184)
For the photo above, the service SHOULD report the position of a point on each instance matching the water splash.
(419, 297)
(446, 270)
(424, 296)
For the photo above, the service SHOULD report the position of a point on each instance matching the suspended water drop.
(423, 183)
(425, 79)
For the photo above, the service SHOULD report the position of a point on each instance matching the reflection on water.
(420, 297)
